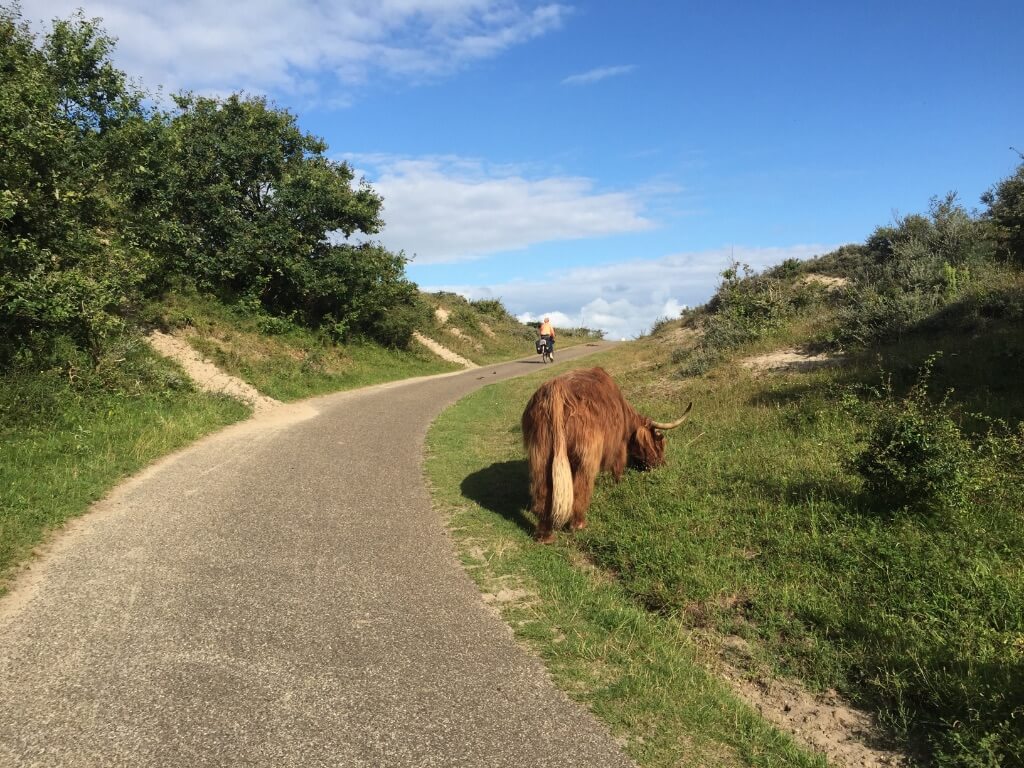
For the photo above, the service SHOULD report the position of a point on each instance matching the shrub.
(1005, 216)
(70, 126)
(659, 324)
(909, 271)
(917, 458)
(491, 307)
(745, 308)
(787, 270)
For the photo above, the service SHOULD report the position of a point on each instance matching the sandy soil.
(206, 375)
(460, 334)
(848, 737)
(789, 360)
(679, 336)
(442, 351)
(830, 283)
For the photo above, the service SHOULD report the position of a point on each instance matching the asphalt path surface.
(281, 593)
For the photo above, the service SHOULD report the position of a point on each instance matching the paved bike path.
(280, 594)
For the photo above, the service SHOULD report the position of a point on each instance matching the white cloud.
(453, 209)
(269, 46)
(598, 74)
(626, 298)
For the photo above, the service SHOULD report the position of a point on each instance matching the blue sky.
(602, 161)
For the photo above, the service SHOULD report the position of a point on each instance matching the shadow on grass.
(502, 488)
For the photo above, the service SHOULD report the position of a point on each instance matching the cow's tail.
(561, 473)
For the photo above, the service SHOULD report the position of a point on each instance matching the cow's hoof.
(578, 525)
(544, 538)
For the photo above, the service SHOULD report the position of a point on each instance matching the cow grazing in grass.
(575, 426)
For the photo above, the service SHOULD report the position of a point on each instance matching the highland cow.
(575, 426)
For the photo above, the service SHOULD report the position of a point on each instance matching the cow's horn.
(673, 424)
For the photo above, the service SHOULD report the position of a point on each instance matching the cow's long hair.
(546, 442)
(575, 426)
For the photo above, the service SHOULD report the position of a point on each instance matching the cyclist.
(547, 335)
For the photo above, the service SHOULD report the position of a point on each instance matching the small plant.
(273, 326)
(788, 269)
(917, 458)
(745, 308)
(660, 324)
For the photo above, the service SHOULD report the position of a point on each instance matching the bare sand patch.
(460, 334)
(830, 283)
(443, 351)
(791, 359)
(206, 375)
(825, 724)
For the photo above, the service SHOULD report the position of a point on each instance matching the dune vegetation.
(843, 509)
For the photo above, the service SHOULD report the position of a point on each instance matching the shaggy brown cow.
(575, 426)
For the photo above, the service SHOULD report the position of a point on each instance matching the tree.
(1005, 215)
(104, 200)
(261, 209)
(70, 266)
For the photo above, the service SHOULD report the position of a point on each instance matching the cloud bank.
(269, 46)
(445, 210)
(626, 298)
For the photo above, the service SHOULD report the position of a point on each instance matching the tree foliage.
(105, 201)
(70, 261)
(907, 271)
(1005, 203)
(262, 211)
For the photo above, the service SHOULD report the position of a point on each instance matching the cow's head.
(647, 443)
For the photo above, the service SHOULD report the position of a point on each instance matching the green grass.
(635, 669)
(763, 531)
(760, 528)
(288, 362)
(488, 334)
(293, 362)
(65, 441)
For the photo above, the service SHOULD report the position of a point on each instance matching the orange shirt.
(547, 329)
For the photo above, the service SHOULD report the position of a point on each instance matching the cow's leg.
(583, 486)
(618, 463)
(542, 509)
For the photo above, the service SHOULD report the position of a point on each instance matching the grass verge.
(761, 529)
(636, 670)
(284, 360)
(67, 438)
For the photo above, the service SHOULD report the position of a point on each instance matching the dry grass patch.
(829, 282)
(791, 359)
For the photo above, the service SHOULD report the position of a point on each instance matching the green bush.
(916, 457)
(745, 308)
(907, 272)
(787, 270)
(106, 202)
(659, 324)
(492, 307)
(1005, 215)
(70, 127)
